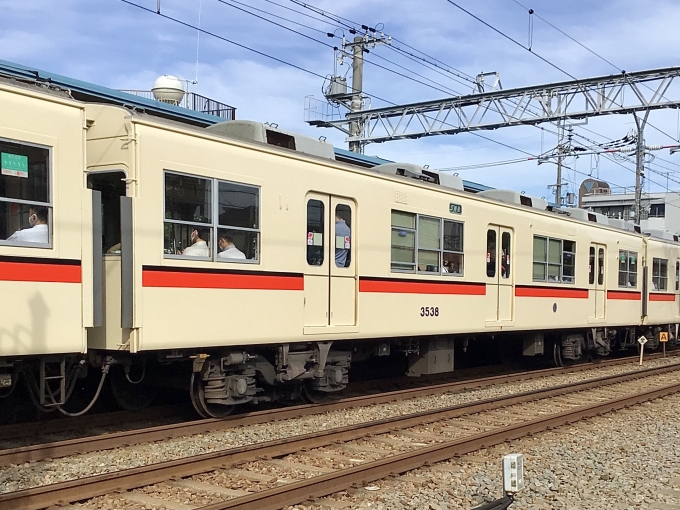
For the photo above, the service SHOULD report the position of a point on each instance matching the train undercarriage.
(220, 380)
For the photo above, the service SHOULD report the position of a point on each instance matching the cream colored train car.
(244, 258)
(332, 259)
(45, 238)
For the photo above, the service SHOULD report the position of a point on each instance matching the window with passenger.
(659, 274)
(211, 219)
(25, 195)
(627, 268)
(425, 244)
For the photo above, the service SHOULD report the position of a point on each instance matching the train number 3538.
(429, 311)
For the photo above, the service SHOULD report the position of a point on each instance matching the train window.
(568, 261)
(25, 195)
(505, 255)
(426, 245)
(659, 274)
(188, 216)
(343, 235)
(677, 275)
(403, 241)
(554, 260)
(315, 232)
(238, 219)
(490, 253)
(540, 258)
(591, 266)
(429, 244)
(628, 268)
(452, 256)
(600, 266)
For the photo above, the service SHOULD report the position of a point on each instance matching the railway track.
(366, 451)
(98, 442)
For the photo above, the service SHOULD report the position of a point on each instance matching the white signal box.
(513, 473)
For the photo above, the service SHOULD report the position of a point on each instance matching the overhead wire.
(618, 68)
(340, 19)
(282, 61)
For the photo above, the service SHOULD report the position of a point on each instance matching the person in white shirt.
(199, 246)
(229, 250)
(38, 232)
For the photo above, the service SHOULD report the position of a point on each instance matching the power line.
(295, 66)
(514, 41)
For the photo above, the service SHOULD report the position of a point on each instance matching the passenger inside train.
(228, 250)
(24, 194)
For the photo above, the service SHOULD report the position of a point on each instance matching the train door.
(500, 288)
(597, 280)
(330, 266)
(112, 254)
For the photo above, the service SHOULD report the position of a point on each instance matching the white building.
(660, 211)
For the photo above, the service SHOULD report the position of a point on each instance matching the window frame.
(546, 263)
(50, 195)
(627, 271)
(214, 224)
(656, 274)
(441, 251)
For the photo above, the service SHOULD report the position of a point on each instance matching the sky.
(117, 44)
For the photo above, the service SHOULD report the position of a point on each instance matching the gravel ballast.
(14, 478)
(625, 460)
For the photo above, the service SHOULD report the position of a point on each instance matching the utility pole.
(558, 182)
(639, 164)
(353, 99)
(355, 126)
(561, 150)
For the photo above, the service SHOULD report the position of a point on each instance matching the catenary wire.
(295, 66)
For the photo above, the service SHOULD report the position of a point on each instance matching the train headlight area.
(245, 264)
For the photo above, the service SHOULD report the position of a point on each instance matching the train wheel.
(557, 354)
(194, 394)
(205, 409)
(315, 396)
(128, 394)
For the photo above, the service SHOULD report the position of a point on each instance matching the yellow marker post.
(663, 338)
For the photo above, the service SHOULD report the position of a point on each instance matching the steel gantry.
(577, 99)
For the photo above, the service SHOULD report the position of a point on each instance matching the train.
(245, 264)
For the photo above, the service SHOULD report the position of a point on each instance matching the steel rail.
(323, 485)
(84, 488)
(53, 426)
(77, 446)
(109, 441)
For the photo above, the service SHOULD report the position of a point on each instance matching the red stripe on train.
(661, 297)
(40, 272)
(220, 281)
(619, 294)
(408, 287)
(551, 292)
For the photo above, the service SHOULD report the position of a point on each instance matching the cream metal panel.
(500, 290)
(344, 288)
(343, 301)
(597, 293)
(40, 317)
(176, 316)
(317, 264)
(662, 305)
(110, 336)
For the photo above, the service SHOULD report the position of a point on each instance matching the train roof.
(91, 93)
